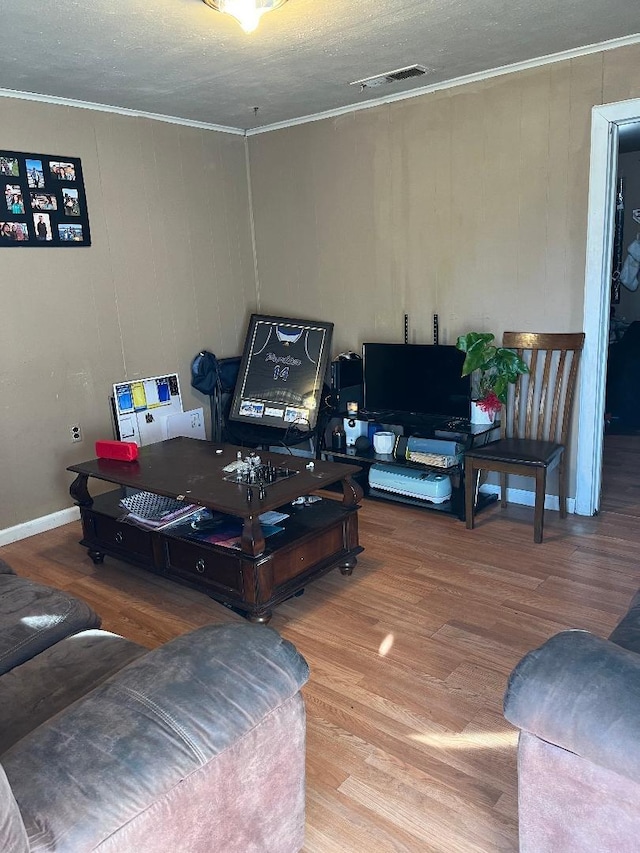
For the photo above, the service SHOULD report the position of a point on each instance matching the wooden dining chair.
(535, 422)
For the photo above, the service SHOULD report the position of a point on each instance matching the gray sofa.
(576, 701)
(194, 747)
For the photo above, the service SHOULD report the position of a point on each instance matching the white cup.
(383, 442)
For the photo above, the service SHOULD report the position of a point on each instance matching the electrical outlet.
(76, 432)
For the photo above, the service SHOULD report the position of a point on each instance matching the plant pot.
(479, 416)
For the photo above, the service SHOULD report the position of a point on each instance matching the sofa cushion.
(34, 617)
(161, 721)
(627, 631)
(5, 568)
(58, 676)
(13, 835)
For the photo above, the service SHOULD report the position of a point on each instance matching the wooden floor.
(407, 746)
(621, 474)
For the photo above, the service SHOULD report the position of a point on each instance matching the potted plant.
(497, 367)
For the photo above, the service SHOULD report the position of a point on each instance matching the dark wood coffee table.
(253, 577)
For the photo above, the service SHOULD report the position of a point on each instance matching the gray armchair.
(197, 746)
(576, 701)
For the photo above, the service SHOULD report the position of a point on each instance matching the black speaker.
(346, 383)
(362, 444)
(346, 372)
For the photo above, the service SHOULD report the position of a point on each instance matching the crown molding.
(458, 81)
(480, 76)
(106, 108)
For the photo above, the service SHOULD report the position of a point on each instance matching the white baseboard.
(38, 525)
(527, 498)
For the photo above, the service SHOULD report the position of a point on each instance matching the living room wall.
(470, 203)
(170, 270)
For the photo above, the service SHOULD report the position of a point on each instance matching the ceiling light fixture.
(246, 12)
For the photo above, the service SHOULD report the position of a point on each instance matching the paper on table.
(273, 517)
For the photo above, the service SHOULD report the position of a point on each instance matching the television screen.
(419, 379)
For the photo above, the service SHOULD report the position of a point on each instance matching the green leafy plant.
(497, 367)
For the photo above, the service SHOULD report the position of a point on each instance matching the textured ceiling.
(180, 58)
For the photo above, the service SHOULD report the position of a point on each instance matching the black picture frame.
(282, 372)
(42, 201)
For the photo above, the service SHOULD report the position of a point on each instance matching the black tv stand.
(447, 427)
(415, 422)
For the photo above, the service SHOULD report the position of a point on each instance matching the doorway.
(621, 444)
(607, 122)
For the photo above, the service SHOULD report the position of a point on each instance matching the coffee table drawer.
(196, 562)
(112, 534)
(292, 562)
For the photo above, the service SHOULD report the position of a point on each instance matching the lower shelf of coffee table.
(315, 539)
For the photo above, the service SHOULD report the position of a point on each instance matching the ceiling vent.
(391, 77)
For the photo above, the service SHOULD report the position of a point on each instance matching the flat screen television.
(416, 379)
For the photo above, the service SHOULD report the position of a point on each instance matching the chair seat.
(519, 451)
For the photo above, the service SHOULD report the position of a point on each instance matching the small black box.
(345, 373)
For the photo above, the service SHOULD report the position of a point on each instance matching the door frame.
(605, 121)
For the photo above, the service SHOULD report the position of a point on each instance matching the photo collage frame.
(42, 201)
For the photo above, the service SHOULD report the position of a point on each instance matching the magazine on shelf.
(219, 529)
(156, 512)
(236, 541)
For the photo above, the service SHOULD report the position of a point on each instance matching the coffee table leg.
(252, 541)
(96, 556)
(261, 617)
(79, 491)
(352, 494)
(348, 566)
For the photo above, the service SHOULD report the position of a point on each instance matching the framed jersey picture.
(283, 368)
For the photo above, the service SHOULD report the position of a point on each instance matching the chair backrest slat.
(558, 411)
(540, 403)
(568, 402)
(543, 398)
(525, 431)
(508, 419)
